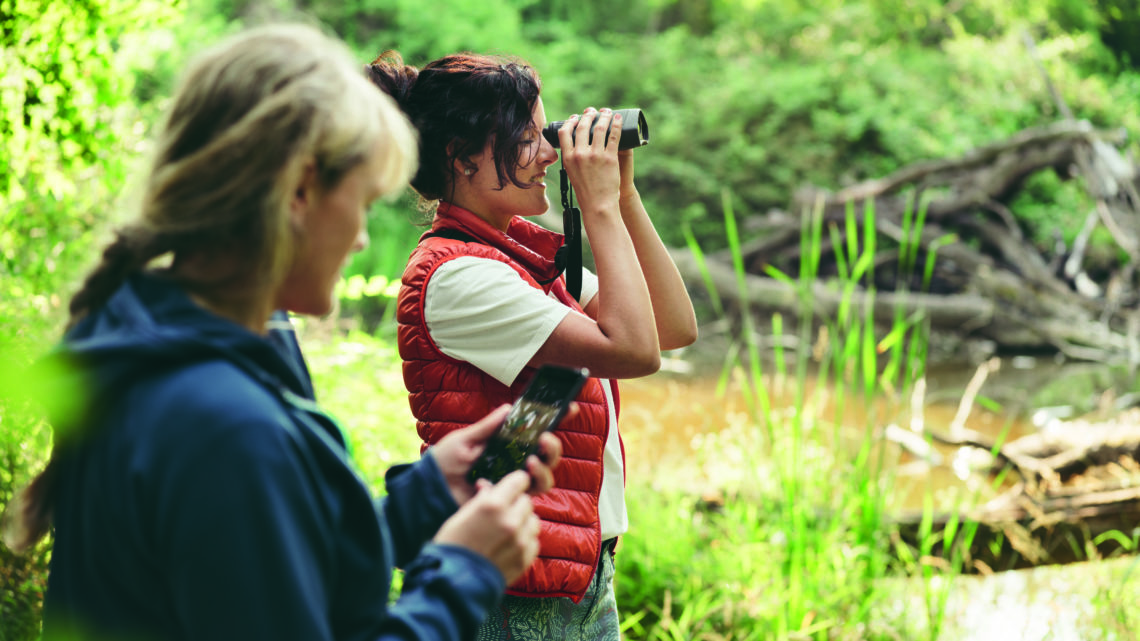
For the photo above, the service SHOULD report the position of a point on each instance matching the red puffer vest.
(447, 394)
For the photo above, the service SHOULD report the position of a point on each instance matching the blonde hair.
(248, 116)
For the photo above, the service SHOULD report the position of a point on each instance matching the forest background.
(747, 100)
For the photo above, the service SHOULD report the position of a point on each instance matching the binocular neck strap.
(572, 231)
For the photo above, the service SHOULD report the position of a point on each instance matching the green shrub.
(68, 137)
(359, 381)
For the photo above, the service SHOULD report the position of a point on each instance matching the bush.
(760, 118)
(67, 139)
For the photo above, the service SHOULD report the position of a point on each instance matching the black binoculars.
(634, 130)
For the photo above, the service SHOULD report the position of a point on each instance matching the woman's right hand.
(498, 523)
(592, 165)
(618, 338)
(456, 453)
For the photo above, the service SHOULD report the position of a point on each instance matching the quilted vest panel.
(446, 394)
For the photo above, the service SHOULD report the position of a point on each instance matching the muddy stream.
(672, 420)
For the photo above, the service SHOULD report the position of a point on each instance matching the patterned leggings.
(594, 618)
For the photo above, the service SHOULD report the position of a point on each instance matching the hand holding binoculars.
(634, 133)
(634, 130)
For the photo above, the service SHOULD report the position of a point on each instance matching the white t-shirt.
(480, 311)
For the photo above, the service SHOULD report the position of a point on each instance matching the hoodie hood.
(150, 325)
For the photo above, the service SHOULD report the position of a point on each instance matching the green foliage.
(359, 381)
(68, 130)
(67, 137)
(63, 127)
(394, 227)
(1119, 29)
(421, 33)
(691, 577)
(762, 98)
(1049, 206)
(1114, 602)
(786, 94)
(21, 593)
(24, 442)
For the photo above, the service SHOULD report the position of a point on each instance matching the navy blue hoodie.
(204, 495)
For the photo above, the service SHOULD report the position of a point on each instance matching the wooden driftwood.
(989, 282)
(1024, 533)
(1078, 497)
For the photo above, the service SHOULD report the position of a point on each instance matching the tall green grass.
(800, 550)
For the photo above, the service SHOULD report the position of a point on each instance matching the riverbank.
(734, 536)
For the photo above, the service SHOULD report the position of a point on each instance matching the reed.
(800, 549)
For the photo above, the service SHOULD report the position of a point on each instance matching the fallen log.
(1079, 498)
(1011, 315)
(1023, 533)
(988, 283)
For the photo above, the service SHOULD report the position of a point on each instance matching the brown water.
(668, 419)
(672, 422)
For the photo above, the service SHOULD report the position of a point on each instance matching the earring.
(468, 172)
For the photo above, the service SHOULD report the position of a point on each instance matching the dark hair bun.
(395, 78)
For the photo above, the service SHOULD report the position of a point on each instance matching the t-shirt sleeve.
(481, 311)
(589, 287)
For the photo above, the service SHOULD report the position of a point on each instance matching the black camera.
(634, 130)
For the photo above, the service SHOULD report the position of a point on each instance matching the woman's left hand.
(625, 168)
(456, 452)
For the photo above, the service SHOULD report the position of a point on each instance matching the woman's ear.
(461, 166)
(304, 198)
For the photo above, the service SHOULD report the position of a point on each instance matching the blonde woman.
(202, 493)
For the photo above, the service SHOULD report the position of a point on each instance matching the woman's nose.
(361, 241)
(547, 154)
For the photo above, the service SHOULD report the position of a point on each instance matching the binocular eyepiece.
(634, 130)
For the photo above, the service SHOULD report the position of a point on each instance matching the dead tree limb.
(988, 283)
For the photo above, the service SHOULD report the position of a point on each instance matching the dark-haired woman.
(484, 302)
(202, 493)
